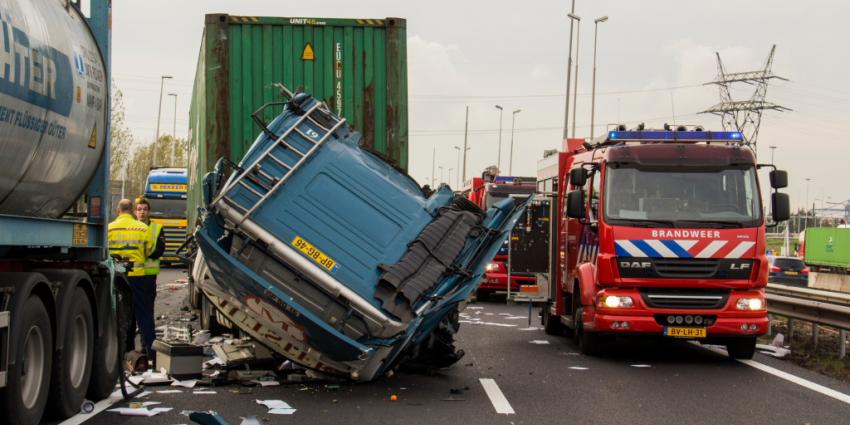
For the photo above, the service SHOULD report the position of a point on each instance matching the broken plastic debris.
(204, 392)
(189, 383)
(770, 350)
(141, 411)
(215, 361)
(277, 407)
(778, 340)
(265, 382)
(250, 420)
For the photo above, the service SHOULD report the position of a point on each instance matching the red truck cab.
(659, 233)
(484, 191)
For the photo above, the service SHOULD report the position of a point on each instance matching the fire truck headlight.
(492, 267)
(616, 301)
(750, 304)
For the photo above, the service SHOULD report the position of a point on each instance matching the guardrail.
(812, 305)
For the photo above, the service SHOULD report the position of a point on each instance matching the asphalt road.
(640, 382)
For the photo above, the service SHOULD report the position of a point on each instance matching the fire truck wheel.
(589, 343)
(551, 324)
(742, 348)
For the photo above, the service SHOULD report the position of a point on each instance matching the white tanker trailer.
(59, 340)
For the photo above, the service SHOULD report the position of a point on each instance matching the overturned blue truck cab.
(333, 258)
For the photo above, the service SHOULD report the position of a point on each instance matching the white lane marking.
(538, 341)
(504, 325)
(641, 365)
(740, 249)
(98, 407)
(577, 368)
(829, 392)
(500, 403)
(533, 328)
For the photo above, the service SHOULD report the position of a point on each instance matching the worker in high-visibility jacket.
(147, 291)
(132, 241)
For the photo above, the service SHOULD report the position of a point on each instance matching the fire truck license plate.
(684, 332)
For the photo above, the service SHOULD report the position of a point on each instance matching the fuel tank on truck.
(330, 256)
(53, 88)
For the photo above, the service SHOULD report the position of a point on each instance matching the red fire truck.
(658, 233)
(484, 191)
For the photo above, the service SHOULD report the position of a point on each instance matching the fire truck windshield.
(682, 198)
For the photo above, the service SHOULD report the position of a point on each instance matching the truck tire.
(25, 396)
(551, 324)
(209, 319)
(72, 364)
(194, 296)
(589, 343)
(741, 348)
(106, 358)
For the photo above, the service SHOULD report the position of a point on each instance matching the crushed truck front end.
(335, 259)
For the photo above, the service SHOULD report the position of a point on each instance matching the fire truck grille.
(685, 299)
(685, 267)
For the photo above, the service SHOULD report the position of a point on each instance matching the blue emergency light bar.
(684, 136)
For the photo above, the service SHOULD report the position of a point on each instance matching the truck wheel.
(72, 364)
(25, 395)
(551, 324)
(741, 348)
(588, 342)
(194, 296)
(209, 321)
(106, 359)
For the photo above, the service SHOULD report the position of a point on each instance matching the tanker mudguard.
(333, 258)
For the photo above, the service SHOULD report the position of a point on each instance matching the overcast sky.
(653, 57)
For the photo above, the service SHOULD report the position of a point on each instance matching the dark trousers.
(144, 295)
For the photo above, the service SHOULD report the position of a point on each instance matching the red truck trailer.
(658, 233)
(485, 191)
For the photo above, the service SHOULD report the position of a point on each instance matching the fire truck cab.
(658, 233)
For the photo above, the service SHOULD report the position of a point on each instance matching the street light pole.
(457, 148)
(441, 173)
(596, 23)
(449, 180)
(465, 137)
(806, 206)
(772, 150)
(174, 132)
(159, 115)
(511, 160)
(569, 68)
(433, 163)
(499, 156)
(575, 82)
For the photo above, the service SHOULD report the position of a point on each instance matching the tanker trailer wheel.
(741, 348)
(31, 339)
(73, 363)
(106, 359)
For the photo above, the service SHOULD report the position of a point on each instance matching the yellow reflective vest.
(130, 239)
(151, 265)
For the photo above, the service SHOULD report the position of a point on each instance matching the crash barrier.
(811, 305)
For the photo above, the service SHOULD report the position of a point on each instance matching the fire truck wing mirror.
(781, 207)
(578, 176)
(575, 203)
(778, 179)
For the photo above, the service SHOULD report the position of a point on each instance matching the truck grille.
(685, 267)
(685, 298)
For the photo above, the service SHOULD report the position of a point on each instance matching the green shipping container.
(357, 66)
(828, 247)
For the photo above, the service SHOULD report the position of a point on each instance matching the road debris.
(641, 365)
(538, 341)
(139, 411)
(577, 368)
(277, 407)
(773, 351)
